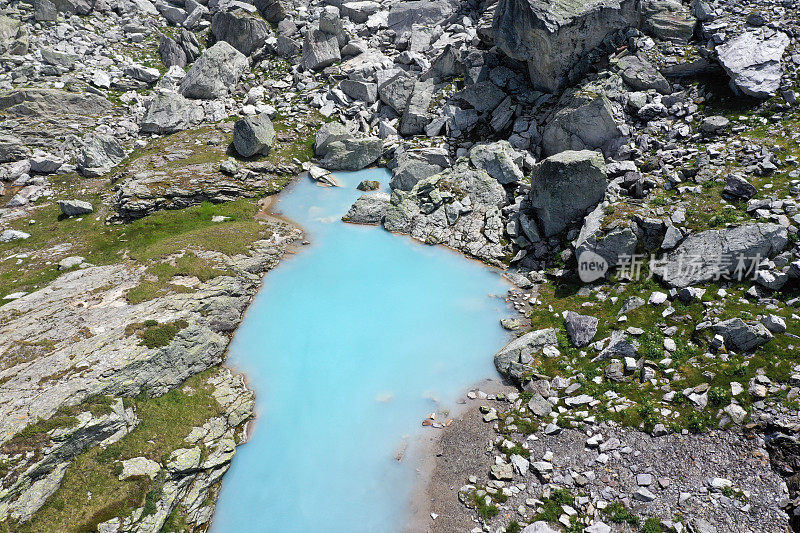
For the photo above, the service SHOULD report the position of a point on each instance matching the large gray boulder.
(12, 149)
(339, 149)
(403, 15)
(564, 187)
(515, 359)
(553, 36)
(273, 11)
(169, 112)
(243, 30)
(253, 135)
(328, 133)
(353, 153)
(753, 61)
(733, 252)
(584, 121)
(171, 52)
(396, 91)
(740, 336)
(320, 50)
(581, 329)
(368, 209)
(73, 208)
(98, 155)
(498, 160)
(215, 73)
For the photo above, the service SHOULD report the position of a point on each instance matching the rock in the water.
(497, 159)
(580, 328)
(740, 336)
(553, 36)
(583, 122)
(98, 155)
(368, 209)
(215, 73)
(169, 112)
(733, 252)
(243, 30)
(73, 208)
(368, 185)
(564, 187)
(253, 135)
(753, 61)
(320, 50)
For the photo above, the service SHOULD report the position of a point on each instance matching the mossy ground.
(689, 363)
(91, 491)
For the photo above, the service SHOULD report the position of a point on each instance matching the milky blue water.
(348, 346)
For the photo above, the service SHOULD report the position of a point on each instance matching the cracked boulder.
(584, 121)
(564, 187)
(552, 37)
(753, 61)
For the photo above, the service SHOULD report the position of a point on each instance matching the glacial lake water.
(348, 346)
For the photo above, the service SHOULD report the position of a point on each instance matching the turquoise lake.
(349, 345)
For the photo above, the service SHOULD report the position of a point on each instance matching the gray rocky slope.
(524, 133)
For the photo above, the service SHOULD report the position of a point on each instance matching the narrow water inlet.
(348, 346)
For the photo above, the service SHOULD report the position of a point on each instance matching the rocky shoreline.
(633, 166)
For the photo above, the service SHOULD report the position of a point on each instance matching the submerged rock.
(368, 209)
